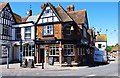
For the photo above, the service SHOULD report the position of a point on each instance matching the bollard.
(42, 64)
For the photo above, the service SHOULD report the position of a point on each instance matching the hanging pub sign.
(4, 51)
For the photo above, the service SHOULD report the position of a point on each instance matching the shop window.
(69, 49)
(28, 50)
(48, 30)
(54, 50)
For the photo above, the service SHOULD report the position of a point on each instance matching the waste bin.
(24, 63)
(69, 60)
(51, 61)
(31, 63)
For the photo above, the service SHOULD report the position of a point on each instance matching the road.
(101, 70)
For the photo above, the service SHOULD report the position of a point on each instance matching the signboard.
(69, 60)
(4, 51)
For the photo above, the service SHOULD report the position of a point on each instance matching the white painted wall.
(32, 32)
(23, 30)
(23, 33)
(103, 44)
(48, 15)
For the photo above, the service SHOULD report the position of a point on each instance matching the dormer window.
(48, 30)
(68, 31)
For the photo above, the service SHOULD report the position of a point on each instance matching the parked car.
(101, 56)
(110, 57)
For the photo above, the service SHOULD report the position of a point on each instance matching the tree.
(109, 48)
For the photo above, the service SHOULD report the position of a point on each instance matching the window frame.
(54, 47)
(16, 33)
(26, 32)
(67, 48)
(27, 52)
(68, 30)
(48, 30)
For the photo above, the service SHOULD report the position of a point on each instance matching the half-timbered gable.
(6, 21)
(48, 15)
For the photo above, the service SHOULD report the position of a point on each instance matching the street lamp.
(21, 51)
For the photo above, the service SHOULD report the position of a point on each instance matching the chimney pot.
(70, 8)
(29, 12)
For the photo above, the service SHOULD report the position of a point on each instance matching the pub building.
(62, 33)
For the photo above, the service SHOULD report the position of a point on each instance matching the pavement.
(101, 70)
(16, 66)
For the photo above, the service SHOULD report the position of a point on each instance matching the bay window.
(69, 49)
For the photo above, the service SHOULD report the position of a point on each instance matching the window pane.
(23, 53)
(48, 30)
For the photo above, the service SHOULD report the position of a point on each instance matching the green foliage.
(109, 48)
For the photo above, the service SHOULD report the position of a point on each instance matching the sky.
(101, 15)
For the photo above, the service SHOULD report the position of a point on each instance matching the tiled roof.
(2, 5)
(63, 14)
(17, 17)
(101, 37)
(78, 16)
(33, 18)
(24, 19)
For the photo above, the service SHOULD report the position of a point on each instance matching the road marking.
(91, 75)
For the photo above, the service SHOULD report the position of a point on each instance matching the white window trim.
(51, 47)
(45, 30)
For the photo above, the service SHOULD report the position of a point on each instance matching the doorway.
(41, 55)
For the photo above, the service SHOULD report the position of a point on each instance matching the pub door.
(41, 55)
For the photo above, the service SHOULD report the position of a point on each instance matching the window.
(28, 50)
(99, 45)
(47, 11)
(48, 30)
(27, 32)
(69, 49)
(54, 50)
(68, 31)
(84, 32)
(18, 33)
(5, 30)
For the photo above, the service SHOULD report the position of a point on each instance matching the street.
(100, 70)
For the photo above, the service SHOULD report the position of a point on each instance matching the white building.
(24, 31)
(101, 41)
(6, 20)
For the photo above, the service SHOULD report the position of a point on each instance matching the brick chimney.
(70, 8)
(29, 12)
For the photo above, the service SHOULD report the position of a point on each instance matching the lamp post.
(21, 51)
